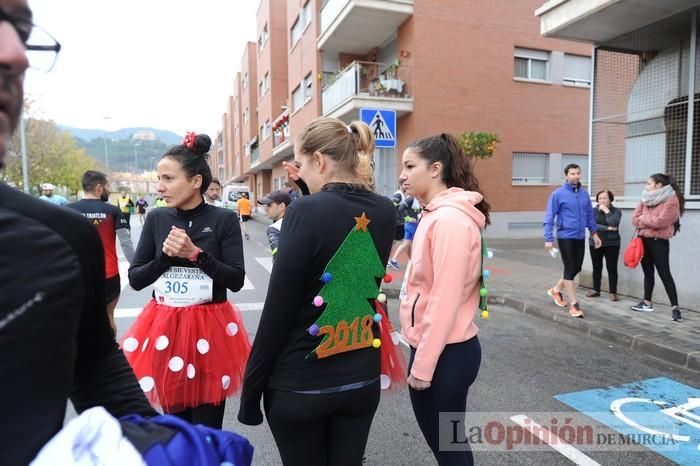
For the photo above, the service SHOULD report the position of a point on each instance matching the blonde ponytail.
(350, 146)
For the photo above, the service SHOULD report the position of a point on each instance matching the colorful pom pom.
(489, 254)
(318, 301)
(314, 329)
(487, 273)
(484, 292)
(377, 317)
(485, 314)
(376, 343)
(388, 278)
(326, 277)
(381, 297)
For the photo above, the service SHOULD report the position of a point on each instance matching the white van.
(233, 192)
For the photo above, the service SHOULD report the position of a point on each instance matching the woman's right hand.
(292, 170)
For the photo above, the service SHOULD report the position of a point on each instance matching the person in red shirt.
(110, 223)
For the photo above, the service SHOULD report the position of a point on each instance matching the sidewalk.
(521, 273)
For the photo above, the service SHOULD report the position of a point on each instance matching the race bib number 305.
(183, 286)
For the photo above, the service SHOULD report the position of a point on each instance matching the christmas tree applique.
(349, 289)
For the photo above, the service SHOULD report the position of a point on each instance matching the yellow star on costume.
(362, 223)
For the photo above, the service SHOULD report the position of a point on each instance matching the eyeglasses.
(41, 47)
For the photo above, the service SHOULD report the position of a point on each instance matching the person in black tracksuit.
(607, 219)
(55, 339)
(320, 410)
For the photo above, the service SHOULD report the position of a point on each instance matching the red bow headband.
(189, 139)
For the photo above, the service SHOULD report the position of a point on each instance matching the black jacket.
(213, 229)
(314, 228)
(603, 221)
(55, 337)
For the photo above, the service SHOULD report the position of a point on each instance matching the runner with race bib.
(188, 347)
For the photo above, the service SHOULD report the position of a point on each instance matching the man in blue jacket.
(570, 209)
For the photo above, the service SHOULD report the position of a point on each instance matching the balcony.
(603, 20)
(356, 26)
(365, 84)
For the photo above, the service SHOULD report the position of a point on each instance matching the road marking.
(247, 285)
(558, 444)
(266, 262)
(124, 273)
(126, 312)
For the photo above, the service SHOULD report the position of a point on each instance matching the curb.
(638, 343)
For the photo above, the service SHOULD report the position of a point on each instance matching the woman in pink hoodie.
(440, 296)
(657, 220)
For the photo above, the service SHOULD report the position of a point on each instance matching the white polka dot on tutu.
(130, 344)
(202, 346)
(162, 342)
(190, 371)
(176, 364)
(145, 344)
(147, 383)
(384, 381)
(232, 328)
(225, 382)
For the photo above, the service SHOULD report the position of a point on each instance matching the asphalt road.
(526, 362)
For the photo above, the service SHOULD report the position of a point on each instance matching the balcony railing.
(367, 79)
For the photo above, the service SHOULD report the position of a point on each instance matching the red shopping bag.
(634, 252)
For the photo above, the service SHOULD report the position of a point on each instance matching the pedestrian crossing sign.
(383, 125)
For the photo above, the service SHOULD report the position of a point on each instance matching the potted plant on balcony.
(392, 69)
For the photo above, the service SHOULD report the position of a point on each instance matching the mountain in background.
(168, 137)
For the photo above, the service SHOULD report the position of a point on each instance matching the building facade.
(448, 66)
(645, 67)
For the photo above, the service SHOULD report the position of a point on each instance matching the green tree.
(478, 145)
(347, 318)
(53, 157)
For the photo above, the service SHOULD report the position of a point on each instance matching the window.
(308, 87)
(301, 22)
(577, 70)
(264, 85)
(245, 115)
(244, 84)
(297, 99)
(578, 159)
(262, 40)
(530, 168)
(265, 130)
(531, 64)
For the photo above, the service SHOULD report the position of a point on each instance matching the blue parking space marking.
(666, 410)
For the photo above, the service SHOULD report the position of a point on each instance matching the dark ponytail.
(457, 170)
(194, 159)
(665, 180)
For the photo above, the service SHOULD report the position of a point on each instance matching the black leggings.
(611, 255)
(206, 414)
(455, 372)
(656, 253)
(324, 429)
(572, 252)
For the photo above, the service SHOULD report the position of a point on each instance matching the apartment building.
(442, 66)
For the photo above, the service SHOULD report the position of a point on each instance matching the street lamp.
(136, 158)
(106, 155)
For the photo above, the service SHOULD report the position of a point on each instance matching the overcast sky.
(166, 64)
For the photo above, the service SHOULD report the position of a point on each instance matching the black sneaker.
(643, 307)
(676, 315)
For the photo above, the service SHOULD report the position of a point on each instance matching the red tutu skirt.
(187, 356)
(393, 369)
